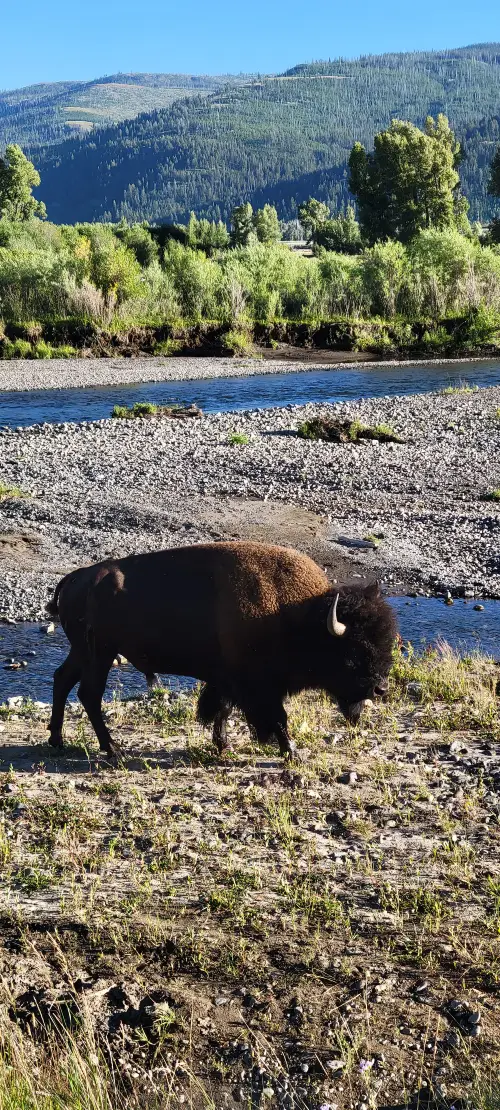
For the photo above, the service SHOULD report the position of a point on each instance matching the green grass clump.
(236, 438)
(463, 387)
(140, 408)
(345, 431)
(22, 348)
(11, 491)
(146, 408)
(464, 686)
(64, 351)
(19, 348)
(492, 495)
(43, 350)
(237, 342)
(168, 347)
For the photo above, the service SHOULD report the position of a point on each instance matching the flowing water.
(421, 620)
(231, 394)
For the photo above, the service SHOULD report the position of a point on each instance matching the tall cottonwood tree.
(18, 177)
(409, 182)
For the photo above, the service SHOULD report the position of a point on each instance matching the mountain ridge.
(274, 137)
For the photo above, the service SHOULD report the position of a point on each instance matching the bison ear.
(372, 590)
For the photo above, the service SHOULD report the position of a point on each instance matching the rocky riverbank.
(414, 513)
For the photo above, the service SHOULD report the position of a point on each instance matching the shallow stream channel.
(18, 409)
(466, 625)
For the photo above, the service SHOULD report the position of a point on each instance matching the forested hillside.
(45, 114)
(277, 139)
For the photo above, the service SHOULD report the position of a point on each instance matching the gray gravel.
(113, 487)
(25, 374)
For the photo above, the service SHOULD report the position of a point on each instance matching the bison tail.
(210, 703)
(53, 604)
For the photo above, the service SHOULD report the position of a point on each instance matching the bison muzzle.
(253, 622)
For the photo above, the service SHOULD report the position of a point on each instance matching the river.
(19, 409)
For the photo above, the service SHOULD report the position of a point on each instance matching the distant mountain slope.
(277, 138)
(46, 114)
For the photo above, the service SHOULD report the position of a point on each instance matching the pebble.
(349, 778)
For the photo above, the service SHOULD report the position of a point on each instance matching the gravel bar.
(114, 487)
(25, 374)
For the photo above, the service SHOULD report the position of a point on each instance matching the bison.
(254, 622)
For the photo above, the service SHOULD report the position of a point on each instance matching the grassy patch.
(236, 439)
(237, 342)
(145, 409)
(11, 491)
(213, 925)
(462, 387)
(456, 691)
(492, 495)
(345, 431)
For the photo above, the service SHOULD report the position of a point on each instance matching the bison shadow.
(44, 759)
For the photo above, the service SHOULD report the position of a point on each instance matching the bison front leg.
(270, 721)
(219, 735)
(90, 693)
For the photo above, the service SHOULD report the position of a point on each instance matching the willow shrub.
(114, 276)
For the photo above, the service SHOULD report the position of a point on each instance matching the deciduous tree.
(267, 225)
(409, 182)
(312, 215)
(342, 234)
(18, 177)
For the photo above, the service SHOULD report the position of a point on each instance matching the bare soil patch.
(18, 549)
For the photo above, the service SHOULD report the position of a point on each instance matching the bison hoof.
(289, 752)
(56, 740)
(114, 757)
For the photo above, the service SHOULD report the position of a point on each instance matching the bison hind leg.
(214, 708)
(65, 677)
(90, 692)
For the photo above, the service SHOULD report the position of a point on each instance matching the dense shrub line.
(109, 279)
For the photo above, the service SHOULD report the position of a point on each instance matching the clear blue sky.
(58, 40)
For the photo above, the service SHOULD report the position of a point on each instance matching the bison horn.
(335, 627)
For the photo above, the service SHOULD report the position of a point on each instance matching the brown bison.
(254, 622)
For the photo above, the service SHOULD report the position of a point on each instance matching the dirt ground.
(318, 935)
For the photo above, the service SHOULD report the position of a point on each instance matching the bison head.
(362, 630)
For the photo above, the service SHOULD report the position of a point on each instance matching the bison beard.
(252, 621)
